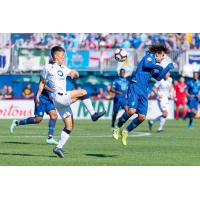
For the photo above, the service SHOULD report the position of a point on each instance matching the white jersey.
(56, 76)
(163, 87)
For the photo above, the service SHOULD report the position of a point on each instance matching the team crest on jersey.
(149, 59)
(60, 73)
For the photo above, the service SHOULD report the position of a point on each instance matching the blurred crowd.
(6, 92)
(95, 41)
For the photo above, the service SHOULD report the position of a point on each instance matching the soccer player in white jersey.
(164, 91)
(55, 75)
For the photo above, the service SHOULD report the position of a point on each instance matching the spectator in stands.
(9, 94)
(101, 95)
(3, 91)
(107, 40)
(27, 92)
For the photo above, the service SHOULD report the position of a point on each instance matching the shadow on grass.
(25, 154)
(23, 143)
(99, 155)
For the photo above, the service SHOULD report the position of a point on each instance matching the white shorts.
(163, 104)
(62, 102)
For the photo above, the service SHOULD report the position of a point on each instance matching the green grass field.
(91, 144)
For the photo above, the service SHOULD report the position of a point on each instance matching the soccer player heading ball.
(147, 68)
(55, 74)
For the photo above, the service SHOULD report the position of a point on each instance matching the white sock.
(162, 122)
(156, 119)
(63, 139)
(89, 106)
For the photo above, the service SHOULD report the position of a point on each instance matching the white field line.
(136, 134)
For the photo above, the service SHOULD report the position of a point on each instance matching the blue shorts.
(119, 103)
(45, 105)
(137, 99)
(193, 103)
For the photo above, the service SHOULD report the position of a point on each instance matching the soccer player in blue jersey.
(193, 96)
(147, 68)
(119, 87)
(44, 105)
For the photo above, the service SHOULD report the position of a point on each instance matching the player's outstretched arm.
(159, 76)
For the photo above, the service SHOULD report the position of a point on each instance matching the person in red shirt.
(180, 88)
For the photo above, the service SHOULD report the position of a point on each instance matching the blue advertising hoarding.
(78, 59)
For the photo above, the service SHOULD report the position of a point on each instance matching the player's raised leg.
(82, 95)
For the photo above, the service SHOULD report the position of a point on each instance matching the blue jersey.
(138, 87)
(193, 87)
(144, 71)
(120, 84)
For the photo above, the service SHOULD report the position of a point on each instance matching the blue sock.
(52, 124)
(133, 124)
(114, 119)
(30, 120)
(191, 117)
(123, 119)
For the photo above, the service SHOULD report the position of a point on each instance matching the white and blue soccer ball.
(120, 55)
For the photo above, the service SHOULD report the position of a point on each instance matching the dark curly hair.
(158, 48)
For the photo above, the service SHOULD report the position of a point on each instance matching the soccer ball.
(120, 55)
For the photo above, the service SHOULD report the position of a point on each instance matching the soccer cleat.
(116, 133)
(190, 126)
(124, 135)
(59, 152)
(51, 141)
(150, 123)
(96, 115)
(160, 130)
(13, 126)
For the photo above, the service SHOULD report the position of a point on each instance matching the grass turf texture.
(91, 144)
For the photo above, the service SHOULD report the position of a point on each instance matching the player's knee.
(54, 116)
(141, 117)
(131, 112)
(82, 92)
(38, 120)
(165, 114)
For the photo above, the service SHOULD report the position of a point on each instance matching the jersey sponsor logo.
(60, 73)
(149, 59)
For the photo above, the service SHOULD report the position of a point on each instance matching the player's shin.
(52, 124)
(136, 122)
(30, 120)
(114, 116)
(64, 136)
(191, 117)
(156, 119)
(177, 113)
(88, 104)
(162, 123)
(183, 113)
(123, 119)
